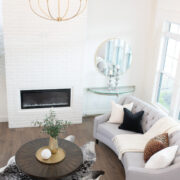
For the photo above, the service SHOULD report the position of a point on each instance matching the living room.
(100, 79)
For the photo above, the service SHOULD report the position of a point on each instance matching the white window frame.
(175, 99)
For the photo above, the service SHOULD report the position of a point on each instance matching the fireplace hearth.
(31, 99)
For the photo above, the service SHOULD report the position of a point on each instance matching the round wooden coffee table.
(27, 162)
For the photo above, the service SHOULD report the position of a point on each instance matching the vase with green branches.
(53, 127)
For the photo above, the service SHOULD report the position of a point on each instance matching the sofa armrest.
(169, 173)
(99, 120)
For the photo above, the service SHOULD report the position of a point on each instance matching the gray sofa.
(132, 161)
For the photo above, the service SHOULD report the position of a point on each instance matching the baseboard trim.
(27, 125)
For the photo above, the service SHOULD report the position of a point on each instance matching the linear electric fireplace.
(31, 99)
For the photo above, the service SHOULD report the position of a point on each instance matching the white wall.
(41, 54)
(129, 20)
(165, 10)
(3, 104)
(170, 5)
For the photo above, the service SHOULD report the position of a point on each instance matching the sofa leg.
(97, 141)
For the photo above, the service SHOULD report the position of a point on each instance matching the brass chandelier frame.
(47, 14)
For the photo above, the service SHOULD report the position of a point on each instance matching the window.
(167, 87)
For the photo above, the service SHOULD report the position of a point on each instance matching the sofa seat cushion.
(110, 130)
(132, 160)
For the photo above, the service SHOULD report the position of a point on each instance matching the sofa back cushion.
(151, 114)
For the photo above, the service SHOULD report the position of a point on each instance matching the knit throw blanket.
(137, 142)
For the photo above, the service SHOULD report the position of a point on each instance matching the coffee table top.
(27, 162)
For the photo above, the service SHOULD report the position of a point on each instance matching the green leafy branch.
(52, 126)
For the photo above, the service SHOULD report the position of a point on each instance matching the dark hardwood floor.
(12, 139)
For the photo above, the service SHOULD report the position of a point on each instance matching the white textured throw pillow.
(162, 158)
(117, 113)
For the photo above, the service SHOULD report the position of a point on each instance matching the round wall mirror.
(113, 57)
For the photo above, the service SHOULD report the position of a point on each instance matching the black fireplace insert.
(31, 99)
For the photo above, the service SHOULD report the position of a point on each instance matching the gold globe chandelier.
(58, 10)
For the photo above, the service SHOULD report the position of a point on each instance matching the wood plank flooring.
(12, 139)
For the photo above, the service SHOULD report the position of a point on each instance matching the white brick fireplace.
(41, 54)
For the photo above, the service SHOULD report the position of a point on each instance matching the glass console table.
(112, 92)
